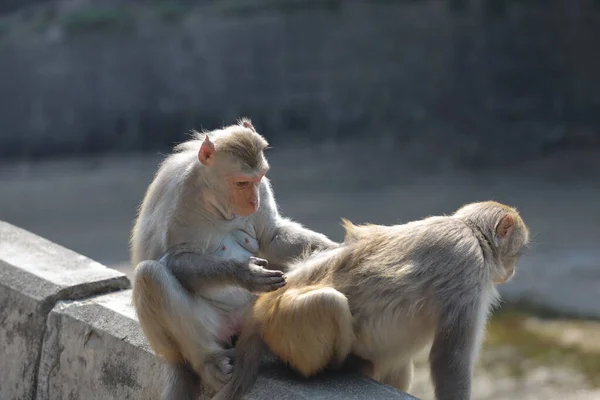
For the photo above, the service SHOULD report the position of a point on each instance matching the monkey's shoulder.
(446, 240)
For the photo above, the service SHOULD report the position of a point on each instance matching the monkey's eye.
(241, 184)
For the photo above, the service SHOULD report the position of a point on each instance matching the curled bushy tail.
(250, 349)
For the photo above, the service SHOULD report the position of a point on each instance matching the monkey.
(385, 294)
(205, 233)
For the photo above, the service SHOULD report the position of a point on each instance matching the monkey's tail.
(246, 363)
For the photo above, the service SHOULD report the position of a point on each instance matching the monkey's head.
(505, 230)
(236, 164)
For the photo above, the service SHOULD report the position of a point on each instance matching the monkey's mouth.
(248, 210)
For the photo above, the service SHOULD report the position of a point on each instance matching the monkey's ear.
(207, 151)
(246, 123)
(505, 226)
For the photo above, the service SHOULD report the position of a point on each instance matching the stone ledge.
(278, 382)
(95, 349)
(34, 274)
(68, 331)
(58, 272)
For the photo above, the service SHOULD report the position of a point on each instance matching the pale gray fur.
(409, 285)
(184, 300)
(181, 382)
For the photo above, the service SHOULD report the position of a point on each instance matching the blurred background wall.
(378, 111)
(485, 81)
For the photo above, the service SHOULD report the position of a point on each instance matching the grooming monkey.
(384, 295)
(205, 220)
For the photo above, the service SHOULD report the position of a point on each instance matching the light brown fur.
(206, 218)
(301, 307)
(387, 293)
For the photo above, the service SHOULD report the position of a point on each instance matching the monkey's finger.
(272, 280)
(261, 262)
(275, 285)
(226, 367)
(272, 273)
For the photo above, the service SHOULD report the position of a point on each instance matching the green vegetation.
(530, 307)
(116, 20)
(509, 329)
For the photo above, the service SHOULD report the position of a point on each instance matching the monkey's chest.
(237, 244)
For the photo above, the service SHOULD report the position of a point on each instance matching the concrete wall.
(68, 331)
(487, 80)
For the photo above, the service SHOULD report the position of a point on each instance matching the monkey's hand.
(259, 279)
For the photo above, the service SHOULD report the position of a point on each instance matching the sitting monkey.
(205, 219)
(384, 295)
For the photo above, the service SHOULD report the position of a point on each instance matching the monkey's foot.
(218, 368)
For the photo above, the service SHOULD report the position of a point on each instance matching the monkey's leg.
(399, 376)
(357, 365)
(290, 333)
(182, 383)
(457, 339)
(181, 328)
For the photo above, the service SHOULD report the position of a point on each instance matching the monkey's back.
(398, 274)
(395, 255)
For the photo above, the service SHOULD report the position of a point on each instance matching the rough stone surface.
(278, 382)
(34, 274)
(95, 349)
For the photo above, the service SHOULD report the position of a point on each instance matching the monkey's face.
(245, 193)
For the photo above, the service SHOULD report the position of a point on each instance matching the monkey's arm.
(288, 239)
(282, 239)
(197, 272)
(453, 351)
